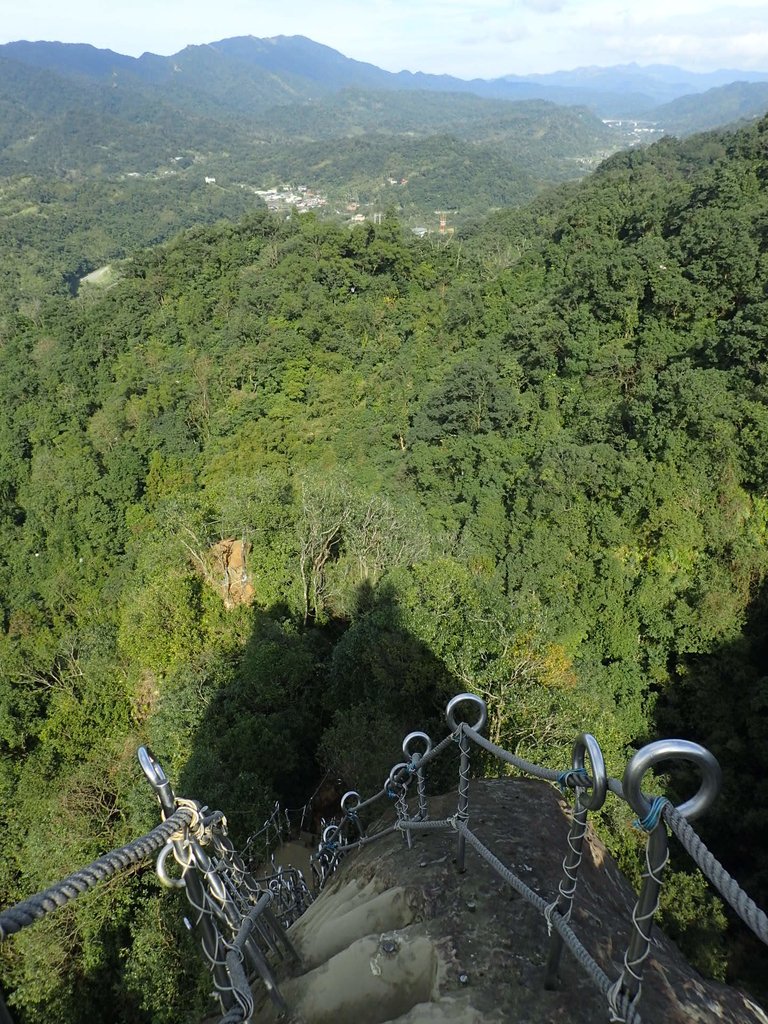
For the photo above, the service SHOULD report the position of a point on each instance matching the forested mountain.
(532, 462)
(726, 104)
(59, 124)
(245, 74)
(92, 166)
(53, 124)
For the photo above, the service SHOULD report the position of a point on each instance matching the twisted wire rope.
(537, 770)
(231, 907)
(727, 886)
(115, 862)
(582, 955)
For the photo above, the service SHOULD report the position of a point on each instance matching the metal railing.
(591, 787)
(241, 920)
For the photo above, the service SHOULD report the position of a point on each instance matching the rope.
(727, 886)
(537, 770)
(371, 800)
(116, 861)
(241, 990)
(593, 969)
(616, 788)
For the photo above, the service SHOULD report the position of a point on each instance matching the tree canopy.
(530, 461)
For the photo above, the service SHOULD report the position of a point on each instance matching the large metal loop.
(162, 870)
(416, 736)
(151, 768)
(469, 698)
(665, 750)
(392, 781)
(587, 744)
(346, 798)
(329, 833)
(158, 780)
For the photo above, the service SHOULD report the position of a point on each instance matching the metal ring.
(151, 768)
(350, 793)
(162, 871)
(664, 750)
(461, 698)
(392, 781)
(329, 832)
(416, 736)
(587, 744)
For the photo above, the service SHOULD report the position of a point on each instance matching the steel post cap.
(416, 736)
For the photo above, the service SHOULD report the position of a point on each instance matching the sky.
(466, 38)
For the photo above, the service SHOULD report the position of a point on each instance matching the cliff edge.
(400, 935)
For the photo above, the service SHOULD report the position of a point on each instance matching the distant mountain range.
(245, 74)
(261, 110)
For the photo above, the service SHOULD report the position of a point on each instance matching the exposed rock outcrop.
(399, 935)
(229, 569)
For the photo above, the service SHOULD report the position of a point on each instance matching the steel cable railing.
(242, 920)
(591, 788)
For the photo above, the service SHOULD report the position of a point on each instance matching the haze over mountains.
(233, 75)
(247, 115)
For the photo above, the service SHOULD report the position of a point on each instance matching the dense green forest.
(726, 104)
(531, 462)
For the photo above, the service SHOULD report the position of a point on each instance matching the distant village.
(301, 198)
(637, 132)
(304, 199)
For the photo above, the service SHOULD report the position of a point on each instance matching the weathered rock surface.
(399, 935)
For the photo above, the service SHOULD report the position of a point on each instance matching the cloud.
(469, 38)
(509, 35)
(706, 50)
(545, 6)
(714, 37)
